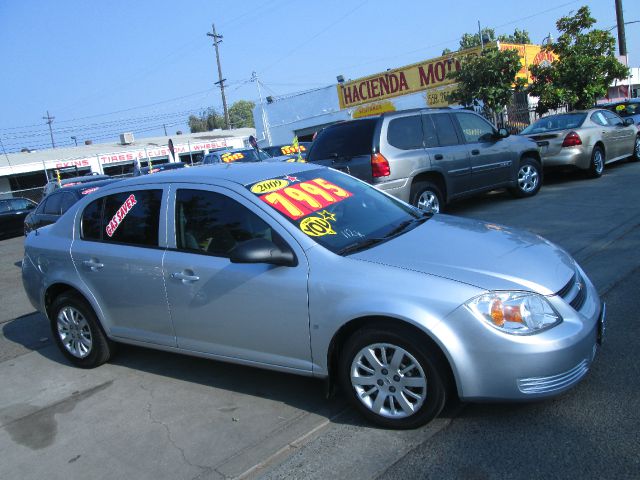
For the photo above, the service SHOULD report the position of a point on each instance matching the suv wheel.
(391, 378)
(427, 196)
(529, 178)
(78, 333)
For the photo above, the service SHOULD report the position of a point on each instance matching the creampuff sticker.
(318, 226)
(267, 186)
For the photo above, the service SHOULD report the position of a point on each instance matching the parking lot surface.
(149, 414)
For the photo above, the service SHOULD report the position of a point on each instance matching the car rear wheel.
(596, 167)
(427, 197)
(392, 379)
(529, 178)
(635, 157)
(77, 332)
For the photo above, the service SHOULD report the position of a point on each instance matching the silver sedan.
(306, 270)
(586, 139)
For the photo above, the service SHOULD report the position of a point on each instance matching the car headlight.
(517, 313)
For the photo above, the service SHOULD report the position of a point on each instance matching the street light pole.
(75, 140)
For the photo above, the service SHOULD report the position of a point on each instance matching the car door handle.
(438, 156)
(475, 152)
(184, 277)
(93, 265)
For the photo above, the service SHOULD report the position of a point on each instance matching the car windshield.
(339, 212)
(555, 122)
(248, 155)
(625, 109)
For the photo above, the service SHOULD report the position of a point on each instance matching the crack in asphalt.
(204, 469)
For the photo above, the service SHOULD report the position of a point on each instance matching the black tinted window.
(52, 207)
(92, 220)
(445, 130)
(68, 199)
(344, 140)
(208, 222)
(405, 132)
(132, 217)
(430, 136)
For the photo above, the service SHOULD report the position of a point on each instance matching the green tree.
(446, 51)
(488, 78)
(241, 114)
(470, 40)
(519, 36)
(208, 120)
(585, 67)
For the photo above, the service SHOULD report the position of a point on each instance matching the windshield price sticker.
(122, 212)
(267, 186)
(302, 199)
(231, 157)
(289, 149)
(318, 226)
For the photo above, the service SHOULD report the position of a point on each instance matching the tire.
(411, 398)
(635, 156)
(427, 196)
(529, 178)
(596, 167)
(78, 333)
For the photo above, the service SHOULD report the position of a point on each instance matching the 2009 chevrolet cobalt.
(307, 270)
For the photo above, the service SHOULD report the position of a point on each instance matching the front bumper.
(491, 365)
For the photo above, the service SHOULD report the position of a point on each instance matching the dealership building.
(25, 173)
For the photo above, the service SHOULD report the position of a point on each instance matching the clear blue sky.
(145, 63)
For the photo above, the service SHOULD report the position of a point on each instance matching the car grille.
(554, 383)
(574, 292)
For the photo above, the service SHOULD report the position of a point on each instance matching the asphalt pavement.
(149, 414)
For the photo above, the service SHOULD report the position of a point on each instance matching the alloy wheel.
(636, 150)
(388, 380)
(528, 178)
(428, 201)
(74, 332)
(598, 161)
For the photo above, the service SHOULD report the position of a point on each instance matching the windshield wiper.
(356, 247)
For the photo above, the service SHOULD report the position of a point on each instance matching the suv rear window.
(350, 139)
(405, 132)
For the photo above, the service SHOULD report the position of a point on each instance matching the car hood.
(486, 255)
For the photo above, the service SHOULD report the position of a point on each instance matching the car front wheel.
(77, 332)
(392, 379)
(529, 178)
(635, 157)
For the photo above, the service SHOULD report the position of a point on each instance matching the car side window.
(599, 118)
(405, 133)
(444, 129)
(68, 199)
(212, 223)
(52, 207)
(131, 218)
(429, 131)
(474, 128)
(612, 119)
(4, 206)
(21, 204)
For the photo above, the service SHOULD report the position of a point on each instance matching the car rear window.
(405, 132)
(555, 122)
(349, 139)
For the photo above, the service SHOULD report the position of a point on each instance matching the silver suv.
(428, 157)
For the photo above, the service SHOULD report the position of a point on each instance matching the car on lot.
(626, 109)
(288, 150)
(12, 214)
(71, 181)
(235, 155)
(429, 157)
(57, 203)
(162, 167)
(585, 139)
(306, 270)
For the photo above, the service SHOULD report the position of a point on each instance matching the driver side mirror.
(503, 133)
(261, 250)
(627, 121)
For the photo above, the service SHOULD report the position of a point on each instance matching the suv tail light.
(379, 166)
(571, 140)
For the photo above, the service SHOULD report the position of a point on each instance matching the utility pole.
(217, 39)
(49, 120)
(165, 129)
(265, 118)
(622, 41)
(480, 35)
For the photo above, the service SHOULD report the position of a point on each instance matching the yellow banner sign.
(402, 81)
(373, 109)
